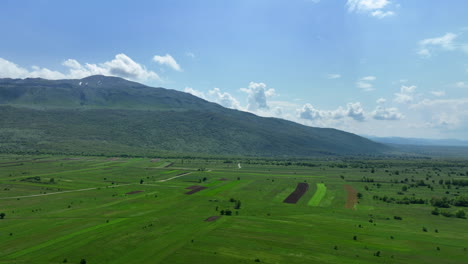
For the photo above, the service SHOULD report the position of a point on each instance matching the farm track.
(294, 197)
(351, 199)
(195, 190)
(79, 190)
(180, 175)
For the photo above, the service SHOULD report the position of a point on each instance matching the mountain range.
(114, 116)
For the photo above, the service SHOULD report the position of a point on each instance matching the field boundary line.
(183, 174)
(79, 190)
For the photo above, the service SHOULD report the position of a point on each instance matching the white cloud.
(355, 111)
(380, 14)
(217, 96)
(72, 64)
(167, 60)
(9, 69)
(406, 94)
(190, 54)
(365, 83)
(408, 89)
(375, 8)
(438, 93)
(444, 113)
(309, 112)
(333, 76)
(352, 110)
(461, 85)
(445, 42)
(194, 92)
(381, 100)
(257, 96)
(382, 113)
(225, 99)
(121, 66)
(368, 78)
(39, 72)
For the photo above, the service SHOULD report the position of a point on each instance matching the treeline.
(404, 200)
(445, 202)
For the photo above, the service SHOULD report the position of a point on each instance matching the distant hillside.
(109, 115)
(420, 141)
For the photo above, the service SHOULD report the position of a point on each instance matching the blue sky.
(372, 67)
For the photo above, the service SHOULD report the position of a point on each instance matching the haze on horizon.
(371, 67)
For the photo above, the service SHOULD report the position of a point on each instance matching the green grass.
(222, 188)
(318, 195)
(164, 225)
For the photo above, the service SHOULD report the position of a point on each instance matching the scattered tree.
(460, 214)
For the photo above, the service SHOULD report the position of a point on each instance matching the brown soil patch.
(351, 200)
(294, 197)
(212, 218)
(133, 192)
(194, 190)
(192, 187)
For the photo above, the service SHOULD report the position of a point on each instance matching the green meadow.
(65, 209)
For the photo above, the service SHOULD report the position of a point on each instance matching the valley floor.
(139, 210)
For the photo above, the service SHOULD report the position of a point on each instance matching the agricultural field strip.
(159, 185)
(223, 187)
(272, 174)
(62, 238)
(57, 173)
(318, 195)
(79, 190)
(181, 175)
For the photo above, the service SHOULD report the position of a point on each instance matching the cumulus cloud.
(461, 85)
(194, 92)
(406, 94)
(225, 99)
(9, 69)
(121, 66)
(355, 111)
(445, 42)
(365, 83)
(257, 96)
(444, 113)
(217, 96)
(309, 112)
(352, 110)
(375, 8)
(167, 60)
(382, 113)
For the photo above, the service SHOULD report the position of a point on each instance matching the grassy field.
(319, 194)
(64, 209)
